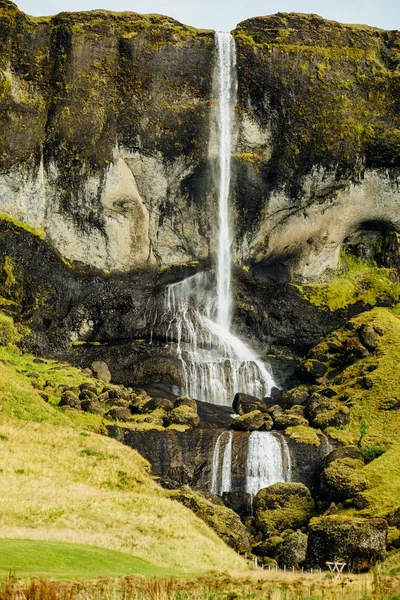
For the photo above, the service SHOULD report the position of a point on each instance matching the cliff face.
(107, 142)
(319, 140)
(105, 121)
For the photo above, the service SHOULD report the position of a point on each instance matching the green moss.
(283, 506)
(357, 281)
(343, 479)
(9, 334)
(304, 435)
(29, 228)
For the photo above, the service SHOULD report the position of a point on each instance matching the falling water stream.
(215, 363)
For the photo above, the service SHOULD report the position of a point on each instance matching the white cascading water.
(268, 461)
(215, 363)
(221, 474)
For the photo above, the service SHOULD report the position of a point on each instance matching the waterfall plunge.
(268, 461)
(216, 364)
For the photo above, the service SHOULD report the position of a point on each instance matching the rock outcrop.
(360, 543)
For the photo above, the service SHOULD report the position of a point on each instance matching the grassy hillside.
(63, 482)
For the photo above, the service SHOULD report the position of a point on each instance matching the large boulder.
(186, 401)
(283, 506)
(342, 452)
(70, 399)
(157, 404)
(244, 403)
(252, 421)
(289, 418)
(119, 413)
(292, 551)
(101, 371)
(342, 480)
(182, 415)
(224, 521)
(360, 543)
(325, 412)
(311, 370)
(92, 406)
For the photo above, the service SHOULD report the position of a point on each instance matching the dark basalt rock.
(70, 399)
(244, 403)
(252, 421)
(311, 370)
(360, 543)
(289, 418)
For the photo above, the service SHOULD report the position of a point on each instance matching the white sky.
(225, 14)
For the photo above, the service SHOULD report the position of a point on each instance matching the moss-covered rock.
(155, 404)
(342, 479)
(252, 421)
(224, 521)
(304, 435)
(119, 413)
(182, 415)
(360, 543)
(283, 506)
(292, 552)
(186, 401)
(311, 369)
(70, 399)
(289, 418)
(268, 547)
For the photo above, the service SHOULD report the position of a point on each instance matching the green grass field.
(60, 560)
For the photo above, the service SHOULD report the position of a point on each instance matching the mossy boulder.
(304, 435)
(224, 521)
(289, 418)
(298, 395)
(360, 543)
(341, 479)
(119, 413)
(157, 403)
(369, 337)
(244, 403)
(252, 421)
(92, 406)
(186, 401)
(268, 547)
(182, 415)
(292, 551)
(70, 399)
(283, 506)
(326, 412)
(311, 370)
(343, 452)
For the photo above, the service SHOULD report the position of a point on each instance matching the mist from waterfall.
(215, 363)
(268, 461)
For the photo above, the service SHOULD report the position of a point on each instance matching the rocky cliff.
(108, 138)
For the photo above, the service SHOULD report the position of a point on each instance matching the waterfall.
(221, 475)
(268, 461)
(215, 363)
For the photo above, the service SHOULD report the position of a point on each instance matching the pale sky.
(225, 14)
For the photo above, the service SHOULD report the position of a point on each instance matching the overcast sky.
(225, 14)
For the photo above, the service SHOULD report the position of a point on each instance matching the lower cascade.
(268, 461)
(221, 475)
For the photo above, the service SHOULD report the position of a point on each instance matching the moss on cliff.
(327, 92)
(357, 280)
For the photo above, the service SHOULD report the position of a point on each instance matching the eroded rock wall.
(105, 120)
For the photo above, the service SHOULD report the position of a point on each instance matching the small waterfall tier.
(215, 363)
(268, 461)
(221, 474)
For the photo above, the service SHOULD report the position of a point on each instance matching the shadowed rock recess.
(108, 194)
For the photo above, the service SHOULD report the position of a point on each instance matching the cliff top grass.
(64, 483)
(356, 281)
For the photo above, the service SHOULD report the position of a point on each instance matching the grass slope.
(58, 560)
(61, 482)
